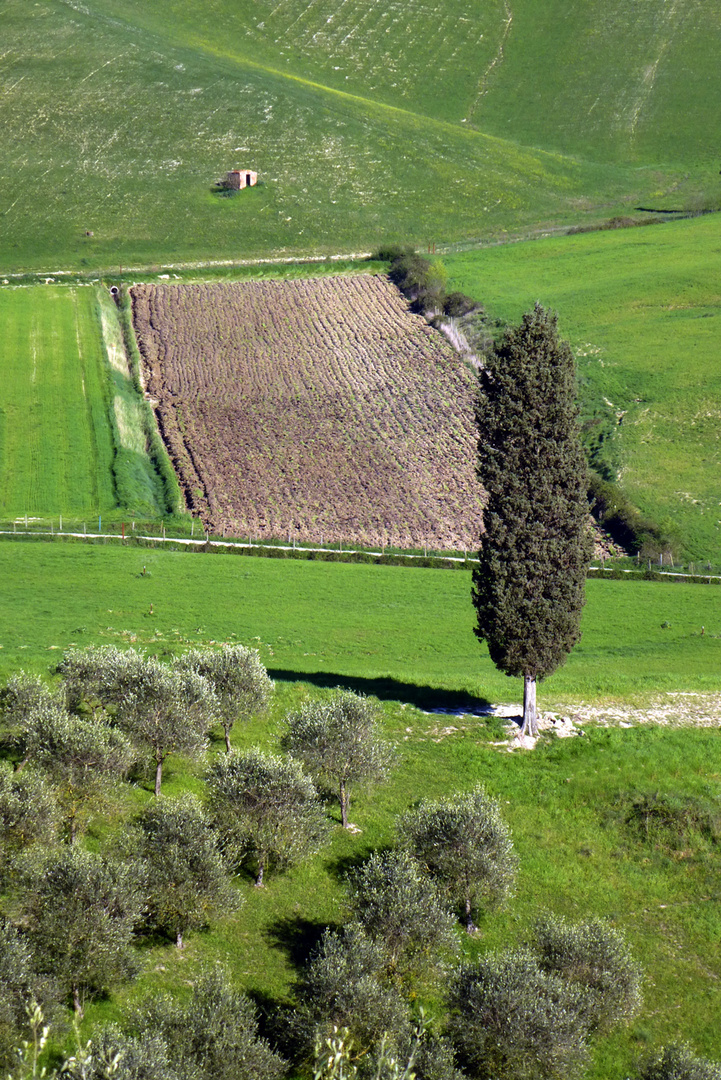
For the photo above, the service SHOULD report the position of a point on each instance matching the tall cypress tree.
(528, 590)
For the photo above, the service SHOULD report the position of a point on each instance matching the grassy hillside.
(642, 310)
(403, 633)
(56, 451)
(120, 118)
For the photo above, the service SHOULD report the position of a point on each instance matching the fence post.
(60, 526)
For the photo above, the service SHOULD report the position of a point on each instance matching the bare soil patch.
(320, 408)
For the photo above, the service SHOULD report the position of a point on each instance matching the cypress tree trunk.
(530, 716)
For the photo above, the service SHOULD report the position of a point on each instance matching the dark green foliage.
(421, 281)
(345, 986)
(238, 679)
(400, 907)
(187, 880)
(337, 742)
(679, 1063)
(213, 1036)
(510, 1020)
(457, 304)
(266, 809)
(529, 587)
(464, 844)
(595, 957)
(81, 910)
(624, 522)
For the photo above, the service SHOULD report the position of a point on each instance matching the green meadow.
(74, 431)
(394, 630)
(405, 635)
(642, 310)
(56, 448)
(362, 128)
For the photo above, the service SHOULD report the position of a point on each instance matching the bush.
(678, 1063)
(674, 822)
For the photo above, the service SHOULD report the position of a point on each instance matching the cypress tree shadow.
(428, 698)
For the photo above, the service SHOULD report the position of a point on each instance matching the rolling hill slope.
(365, 121)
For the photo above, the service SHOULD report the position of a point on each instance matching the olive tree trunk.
(344, 799)
(470, 925)
(530, 716)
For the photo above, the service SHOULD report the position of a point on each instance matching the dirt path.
(674, 709)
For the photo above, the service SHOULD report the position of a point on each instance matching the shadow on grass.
(296, 937)
(429, 698)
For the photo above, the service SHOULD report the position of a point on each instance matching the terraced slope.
(366, 121)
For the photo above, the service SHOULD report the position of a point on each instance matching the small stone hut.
(237, 179)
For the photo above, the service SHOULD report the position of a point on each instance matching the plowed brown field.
(319, 408)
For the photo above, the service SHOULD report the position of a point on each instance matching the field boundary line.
(298, 550)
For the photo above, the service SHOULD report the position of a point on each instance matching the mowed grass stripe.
(55, 446)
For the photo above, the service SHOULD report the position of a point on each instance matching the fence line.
(125, 534)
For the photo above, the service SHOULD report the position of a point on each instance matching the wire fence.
(191, 533)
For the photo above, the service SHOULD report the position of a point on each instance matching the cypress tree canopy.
(528, 590)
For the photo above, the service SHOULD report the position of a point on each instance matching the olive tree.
(187, 880)
(511, 1020)
(465, 846)
(16, 989)
(678, 1062)
(21, 698)
(238, 679)
(211, 1036)
(266, 810)
(399, 906)
(166, 711)
(595, 957)
(344, 985)
(81, 755)
(97, 676)
(81, 910)
(28, 811)
(338, 743)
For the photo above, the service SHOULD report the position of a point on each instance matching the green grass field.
(73, 429)
(642, 309)
(392, 629)
(135, 113)
(56, 450)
